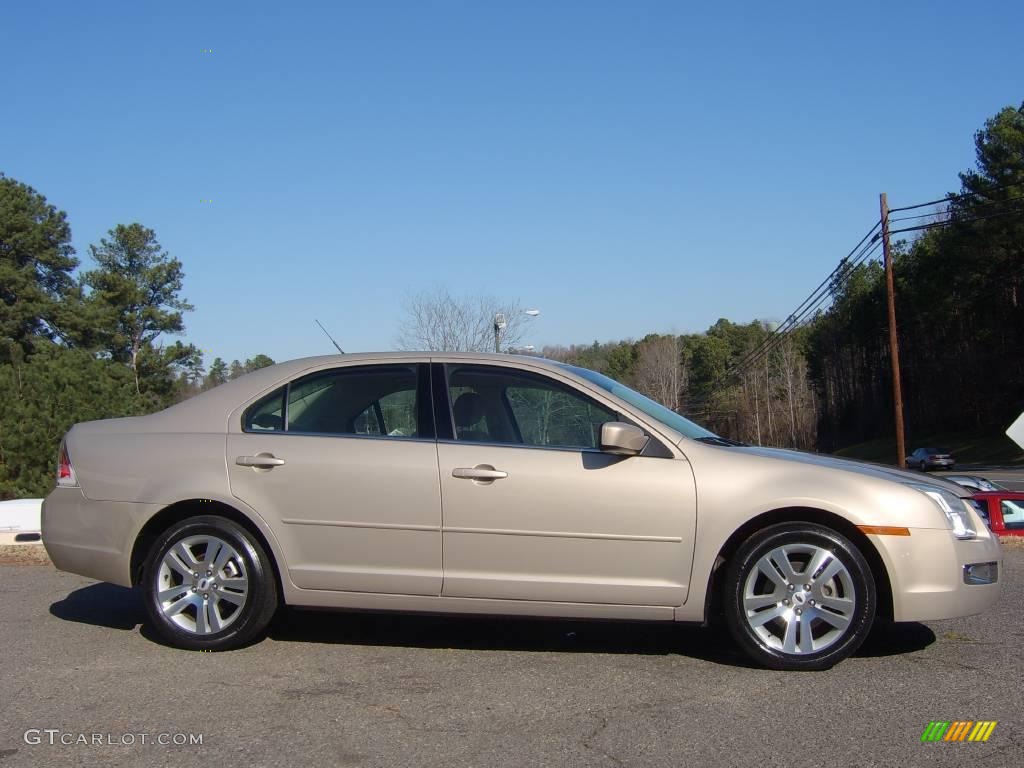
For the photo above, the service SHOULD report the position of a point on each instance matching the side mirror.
(622, 439)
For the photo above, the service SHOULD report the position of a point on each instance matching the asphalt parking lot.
(380, 690)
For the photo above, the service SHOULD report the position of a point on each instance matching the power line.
(837, 279)
(807, 308)
(809, 312)
(842, 272)
(947, 212)
(955, 195)
(813, 302)
(953, 221)
(872, 233)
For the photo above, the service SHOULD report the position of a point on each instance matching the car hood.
(867, 468)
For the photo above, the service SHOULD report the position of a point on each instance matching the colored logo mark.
(958, 730)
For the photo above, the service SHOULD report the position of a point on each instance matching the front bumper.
(926, 572)
(92, 538)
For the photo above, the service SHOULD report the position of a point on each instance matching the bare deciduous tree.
(435, 320)
(659, 370)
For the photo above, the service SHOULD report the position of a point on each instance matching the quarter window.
(267, 415)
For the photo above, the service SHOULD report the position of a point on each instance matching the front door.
(533, 510)
(343, 465)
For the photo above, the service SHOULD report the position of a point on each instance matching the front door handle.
(480, 472)
(261, 460)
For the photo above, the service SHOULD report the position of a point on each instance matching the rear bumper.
(926, 572)
(92, 538)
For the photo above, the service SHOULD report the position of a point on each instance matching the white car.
(19, 521)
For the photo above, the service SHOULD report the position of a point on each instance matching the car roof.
(211, 407)
(1000, 494)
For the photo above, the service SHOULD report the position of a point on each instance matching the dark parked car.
(930, 458)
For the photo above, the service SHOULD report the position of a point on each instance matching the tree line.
(79, 345)
(82, 345)
(827, 383)
(959, 309)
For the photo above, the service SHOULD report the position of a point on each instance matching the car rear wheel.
(209, 585)
(799, 596)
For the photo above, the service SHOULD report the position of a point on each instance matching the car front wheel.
(799, 596)
(209, 585)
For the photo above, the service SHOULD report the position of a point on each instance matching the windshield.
(653, 409)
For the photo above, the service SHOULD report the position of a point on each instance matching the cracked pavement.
(387, 690)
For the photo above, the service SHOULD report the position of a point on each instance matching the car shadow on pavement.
(890, 639)
(711, 644)
(503, 634)
(107, 605)
(102, 605)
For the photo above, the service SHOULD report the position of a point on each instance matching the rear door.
(533, 510)
(343, 464)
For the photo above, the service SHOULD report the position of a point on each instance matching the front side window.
(501, 405)
(655, 410)
(381, 401)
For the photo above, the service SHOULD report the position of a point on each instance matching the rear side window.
(380, 401)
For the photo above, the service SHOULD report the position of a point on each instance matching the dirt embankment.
(23, 554)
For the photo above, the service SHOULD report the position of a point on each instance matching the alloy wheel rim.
(202, 584)
(799, 599)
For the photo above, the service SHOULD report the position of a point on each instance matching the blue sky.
(690, 161)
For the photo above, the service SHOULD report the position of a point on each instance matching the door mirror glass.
(622, 439)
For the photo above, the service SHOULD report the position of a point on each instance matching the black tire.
(243, 622)
(854, 581)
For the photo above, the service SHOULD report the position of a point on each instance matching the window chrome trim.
(561, 448)
(341, 435)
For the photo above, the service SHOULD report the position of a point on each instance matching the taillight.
(65, 472)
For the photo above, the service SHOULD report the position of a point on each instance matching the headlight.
(981, 509)
(952, 506)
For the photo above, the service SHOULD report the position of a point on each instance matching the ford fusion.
(501, 485)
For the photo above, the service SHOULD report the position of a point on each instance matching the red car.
(1002, 510)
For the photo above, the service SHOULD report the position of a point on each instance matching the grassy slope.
(983, 448)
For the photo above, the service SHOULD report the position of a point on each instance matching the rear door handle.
(262, 460)
(478, 473)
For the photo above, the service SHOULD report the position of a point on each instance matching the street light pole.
(500, 323)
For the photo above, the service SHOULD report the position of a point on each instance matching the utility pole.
(894, 350)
